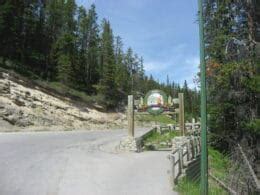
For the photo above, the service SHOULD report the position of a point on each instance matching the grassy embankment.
(218, 166)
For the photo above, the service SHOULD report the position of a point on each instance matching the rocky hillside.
(26, 106)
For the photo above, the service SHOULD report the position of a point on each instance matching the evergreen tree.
(93, 47)
(66, 45)
(88, 40)
(129, 62)
(107, 85)
(7, 29)
(187, 97)
(230, 68)
(54, 22)
(122, 75)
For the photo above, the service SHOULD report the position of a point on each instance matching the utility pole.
(203, 106)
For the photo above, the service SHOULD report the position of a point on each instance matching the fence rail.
(240, 179)
(190, 128)
(185, 154)
(252, 174)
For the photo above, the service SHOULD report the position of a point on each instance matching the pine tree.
(7, 30)
(93, 47)
(65, 45)
(129, 62)
(53, 29)
(187, 97)
(81, 68)
(231, 101)
(122, 76)
(142, 71)
(168, 88)
(88, 43)
(107, 85)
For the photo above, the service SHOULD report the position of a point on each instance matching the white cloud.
(193, 61)
(155, 66)
(86, 3)
(178, 68)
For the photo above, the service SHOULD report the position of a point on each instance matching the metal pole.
(203, 106)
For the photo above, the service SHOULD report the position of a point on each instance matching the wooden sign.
(155, 101)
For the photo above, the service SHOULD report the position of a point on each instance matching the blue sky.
(164, 32)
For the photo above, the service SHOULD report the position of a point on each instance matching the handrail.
(180, 156)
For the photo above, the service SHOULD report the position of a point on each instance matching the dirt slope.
(25, 107)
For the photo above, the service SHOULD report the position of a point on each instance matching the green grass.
(74, 94)
(218, 163)
(218, 166)
(156, 137)
(63, 89)
(161, 119)
(187, 187)
(155, 140)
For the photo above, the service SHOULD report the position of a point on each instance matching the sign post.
(130, 116)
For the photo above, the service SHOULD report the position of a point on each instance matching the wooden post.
(192, 148)
(188, 151)
(180, 152)
(130, 116)
(199, 145)
(172, 176)
(181, 113)
(193, 125)
(195, 147)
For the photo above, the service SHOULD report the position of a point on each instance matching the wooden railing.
(190, 128)
(182, 156)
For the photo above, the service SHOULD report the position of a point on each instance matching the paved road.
(68, 163)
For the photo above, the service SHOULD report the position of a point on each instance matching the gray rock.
(23, 122)
(19, 102)
(27, 94)
(4, 88)
(11, 119)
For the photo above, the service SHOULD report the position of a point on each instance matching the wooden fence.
(190, 128)
(182, 156)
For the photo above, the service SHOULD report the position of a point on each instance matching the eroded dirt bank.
(26, 108)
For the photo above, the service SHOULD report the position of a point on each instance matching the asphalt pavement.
(79, 163)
